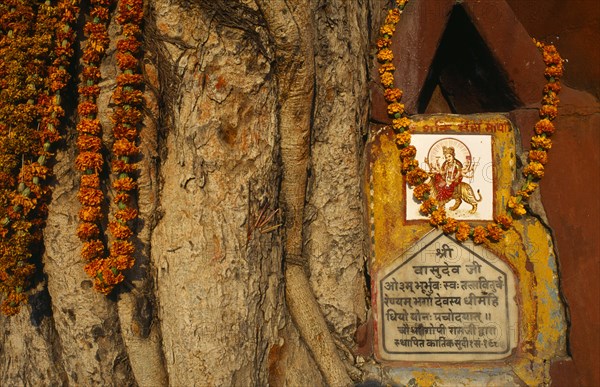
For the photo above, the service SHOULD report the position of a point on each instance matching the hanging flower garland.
(417, 178)
(29, 116)
(107, 271)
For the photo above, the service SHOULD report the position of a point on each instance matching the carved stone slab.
(446, 301)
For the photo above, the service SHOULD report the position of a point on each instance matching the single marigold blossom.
(450, 226)
(392, 95)
(385, 55)
(408, 152)
(534, 169)
(124, 184)
(539, 156)
(89, 126)
(122, 262)
(122, 197)
(437, 217)
(87, 143)
(548, 111)
(383, 43)
(479, 234)
(387, 29)
(395, 108)
(403, 139)
(408, 165)
(121, 247)
(544, 126)
(504, 221)
(554, 71)
(92, 181)
(90, 213)
(386, 68)
(399, 123)
(92, 249)
(421, 191)
(552, 86)
(126, 214)
(387, 79)
(427, 206)
(120, 231)
(87, 230)
(463, 231)
(541, 143)
(393, 16)
(124, 147)
(90, 196)
(416, 177)
(89, 160)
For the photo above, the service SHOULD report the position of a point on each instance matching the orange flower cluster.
(90, 161)
(31, 79)
(417, 178)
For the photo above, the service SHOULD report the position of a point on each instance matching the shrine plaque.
(446, 301)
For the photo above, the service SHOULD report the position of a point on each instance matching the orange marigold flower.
(549, 111)
(554, 71)
(539, 156)
(131, 116)
(387, 79)
(129, 79)
(123, 131)
(122, 197)
(87, 143)
(408, 165)
(92, 249)
(552, 86)
(386, 68)
(450, 226)
(90, 196)
(121, 247)
(122, 96)
(87, 108)
(124, 184)
(403, 139)
(89, 160)
(87, 231)
(92, 91)
(541, 142)
(463, 231)
(504, 221)
(479, 234)
(120, 231)
(544, 126)
(416, 176)
(392, 95)
(516, 207)
(534, 169)
(123, 147)
(130, 44)
(395, 108)
(89, 126)
(91, 73)
(90, 213)
(126, 61)
(438, 217)
(427, 206)
(408, 152)
(550, 99)
(122, 262)
(92, 181)
(126, 214)
(422, 191)
(387, 29)
(494, 232)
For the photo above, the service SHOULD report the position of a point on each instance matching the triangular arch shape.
(420, 33)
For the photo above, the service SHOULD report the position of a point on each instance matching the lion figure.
(462, 192)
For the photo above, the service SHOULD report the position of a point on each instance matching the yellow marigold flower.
(393, 94)
(387, 79)
(393, 16)
(450, 226)
(551, 58)
(403, 122)
(438, 217)
(395, 108)
(479, 234)
(408, 165)
(403, 139)
(530, 187)
(387, 29)
(516, 207)
(554, 71)
(385, 55)
(386, 68)
(541, 142)
(463, 231)
(538, 155)
(550, 99)
(534, 169)
(383, 42)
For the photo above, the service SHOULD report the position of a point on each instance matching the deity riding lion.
(447, 184)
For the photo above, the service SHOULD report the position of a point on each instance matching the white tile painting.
(460, 166)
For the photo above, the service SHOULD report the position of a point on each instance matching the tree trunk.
(250, 254)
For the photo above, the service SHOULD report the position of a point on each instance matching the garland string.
(418, 179)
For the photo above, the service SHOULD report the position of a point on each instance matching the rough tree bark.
(255, 112)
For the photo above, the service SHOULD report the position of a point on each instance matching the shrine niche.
(464, 280)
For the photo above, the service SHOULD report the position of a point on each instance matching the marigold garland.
(35, 51)
(106, 270)
(417, 178)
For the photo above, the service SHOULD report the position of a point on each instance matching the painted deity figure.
(448, 176)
